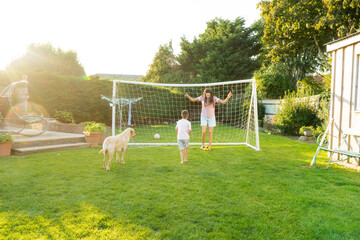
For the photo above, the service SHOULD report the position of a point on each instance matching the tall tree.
(165, 67)
(292, 34)
(342, 15)
(296, 31)
(45, 58)
(227, 50)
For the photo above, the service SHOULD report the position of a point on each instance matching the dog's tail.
(102, 151)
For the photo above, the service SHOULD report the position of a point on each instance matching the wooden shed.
(345, 94)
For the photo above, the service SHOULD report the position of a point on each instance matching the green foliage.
(227, 50)
(272, 82)
(342, 16)
(91, 127)
(72, 94)
(163, 67)
(64, 116)
(292, 35)
(261, 113)
(45, 58)
(311, 84)
(297, 110)
(5, 137)
(305, 128)
(296, 32)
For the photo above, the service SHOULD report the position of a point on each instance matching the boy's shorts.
(206, 121)
(183, 143)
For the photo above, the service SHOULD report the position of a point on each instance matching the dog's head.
(132, 132)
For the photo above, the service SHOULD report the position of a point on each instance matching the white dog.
(116, 144)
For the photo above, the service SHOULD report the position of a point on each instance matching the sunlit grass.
(227, 193)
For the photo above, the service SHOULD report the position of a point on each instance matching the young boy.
(183, 131)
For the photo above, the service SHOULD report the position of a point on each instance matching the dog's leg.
(105, 155)
(111, 154)
(123, 156)
(117, 157)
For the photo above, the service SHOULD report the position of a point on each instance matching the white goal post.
(154, 108)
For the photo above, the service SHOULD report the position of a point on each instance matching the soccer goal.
(153, 109)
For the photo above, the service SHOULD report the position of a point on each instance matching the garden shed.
(345, 93)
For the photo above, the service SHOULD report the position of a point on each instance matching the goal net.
(153, 109)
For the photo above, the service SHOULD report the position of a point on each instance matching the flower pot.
(93, 138)
(5, 149)
(308, 133)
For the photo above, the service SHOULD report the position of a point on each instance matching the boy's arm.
(176, 129)
(227, 99)
(192, 99)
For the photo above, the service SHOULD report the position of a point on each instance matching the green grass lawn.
(228, 193)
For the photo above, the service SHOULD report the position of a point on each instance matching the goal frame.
(253, 103)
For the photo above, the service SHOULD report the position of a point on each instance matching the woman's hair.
(209, 100)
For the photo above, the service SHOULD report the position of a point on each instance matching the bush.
(5, 137)
(64, 116)
(297, 110)
(94, 127)
(273, 82)
(305, 128)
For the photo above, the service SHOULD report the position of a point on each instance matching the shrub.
(273, 81)
(297, 110)
(5, 137)
(94, 127)
(305, 128)
(64, 116)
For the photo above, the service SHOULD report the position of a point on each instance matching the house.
(345, 93)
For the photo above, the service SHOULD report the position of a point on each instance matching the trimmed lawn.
(227, 193)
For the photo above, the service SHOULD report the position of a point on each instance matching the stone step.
(47, 148)
(47, 138)
(48, 141)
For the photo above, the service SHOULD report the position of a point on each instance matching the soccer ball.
(206, 148)
(157, 136)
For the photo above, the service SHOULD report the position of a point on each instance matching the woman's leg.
(210, 136)
(203, 136)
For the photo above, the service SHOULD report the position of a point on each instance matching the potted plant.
(5, 144)
(92, 132)
(307, 131)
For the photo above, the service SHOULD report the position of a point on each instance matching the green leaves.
(45, 58)
(227, 50)
(5, 137)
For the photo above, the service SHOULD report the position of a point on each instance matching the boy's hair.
(184, 113)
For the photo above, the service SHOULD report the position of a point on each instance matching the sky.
(111, 36)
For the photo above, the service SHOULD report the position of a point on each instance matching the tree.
(45, 58)
(274, 81)
(342, 16)
(225, 51)
(293, 36)
(165, 68)
(296, 31)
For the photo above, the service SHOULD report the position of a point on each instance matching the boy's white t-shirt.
(183, 126)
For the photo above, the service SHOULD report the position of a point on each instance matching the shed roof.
(342, 42)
